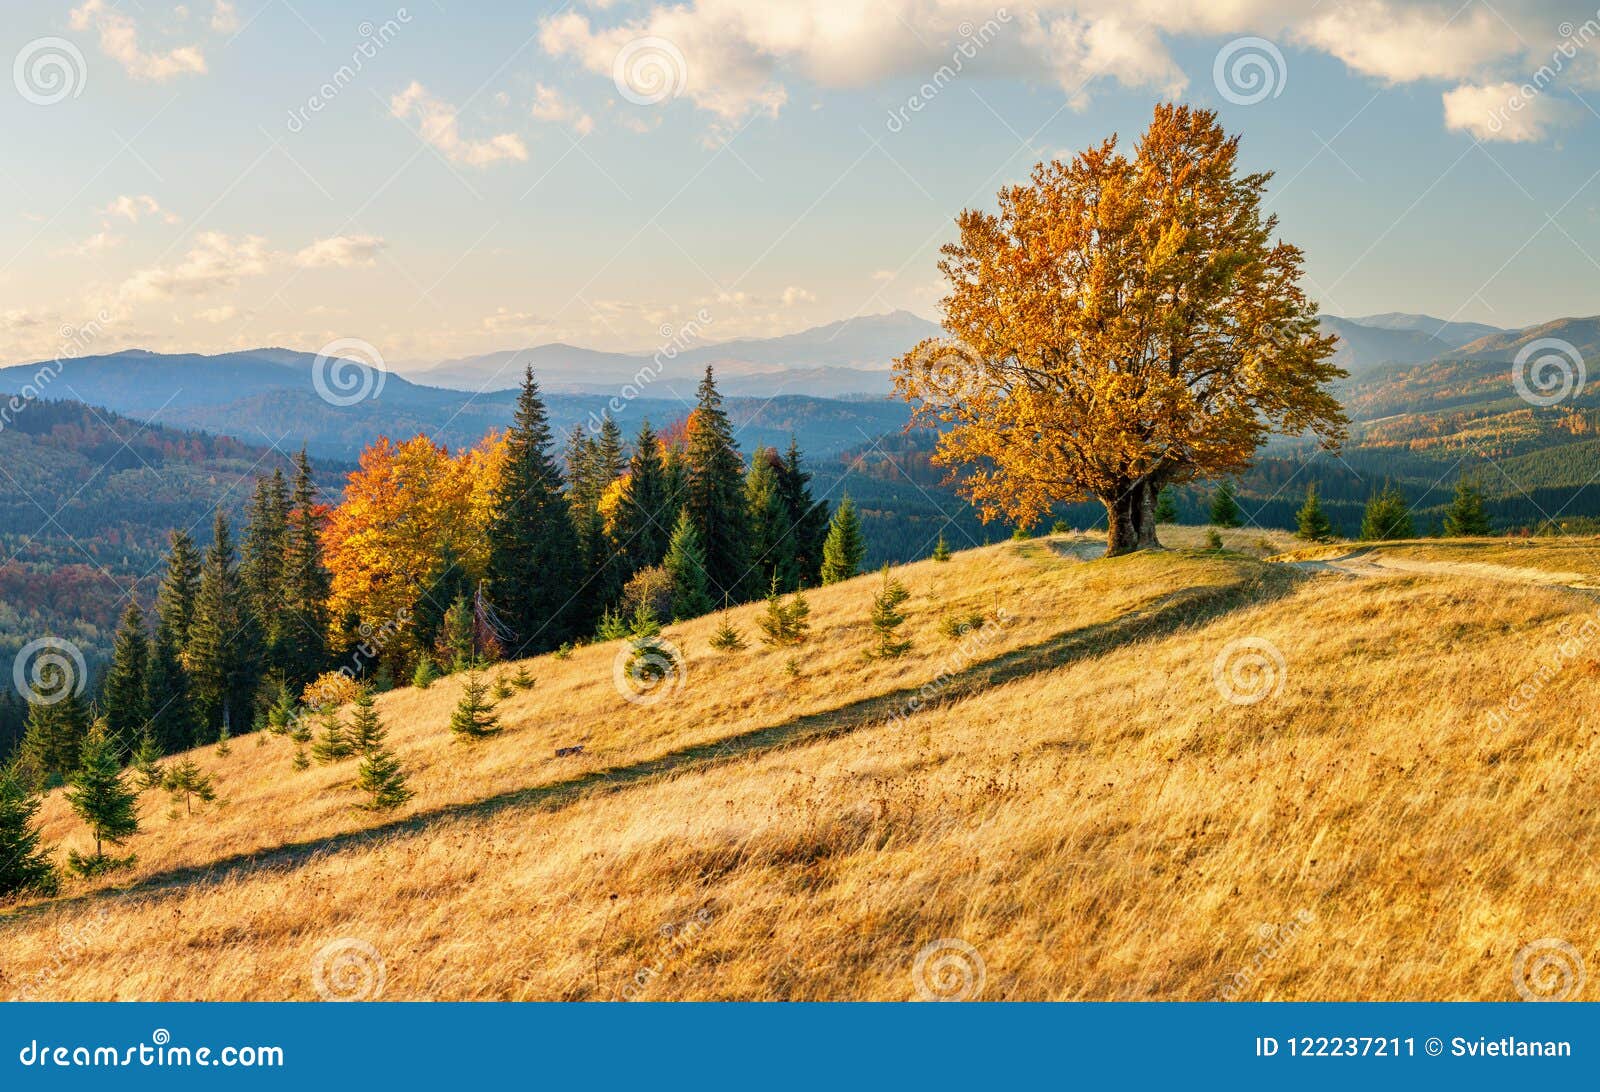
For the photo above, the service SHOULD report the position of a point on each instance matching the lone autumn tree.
(1123, 324)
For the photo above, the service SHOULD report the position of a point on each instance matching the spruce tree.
(1466, 517)
(168, 695)
(185, 783)
(180, 587)
(714, 494)
(224, 643)
(1311, 522)
(1225, 510)
(366, 727)
(52, 743)
(887, 617)
(263, 559)
(1166, 507)
(534, 564)
(25, 868)
(941, 549)
(307, 583)
(281, 717)
(426, 673)
(643, 519)
(379, 775)
(457, 639)
(686, 565)
(807, 517)
(332, 744)
(146, 762)
(105, 803)
(126, 684)
(474, 716)
(446, 583)
(1387, 517)
(586, 484)
(784, 623)
(772, 538)
(845, 549)
(612, 626)
(726, 638)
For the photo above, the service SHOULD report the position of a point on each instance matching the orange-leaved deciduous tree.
(407, 509)
(1124, 323)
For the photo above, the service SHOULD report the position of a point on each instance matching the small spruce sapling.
(474, 716)
(185, 783)
(887, 617)
(726, 638)
(332, 745)
(105, 803)
(379, 775)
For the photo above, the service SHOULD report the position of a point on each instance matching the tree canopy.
(1123, 323)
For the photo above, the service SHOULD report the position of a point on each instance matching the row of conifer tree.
(237, 631)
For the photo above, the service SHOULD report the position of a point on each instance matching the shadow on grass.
(1158, 617)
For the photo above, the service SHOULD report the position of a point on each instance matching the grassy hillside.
(1073, 790)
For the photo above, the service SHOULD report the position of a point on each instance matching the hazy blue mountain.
(272, 397)
(1362, 348)
(1452, 334)
(850, 357)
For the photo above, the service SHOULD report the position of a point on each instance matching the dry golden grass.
(1090, 813)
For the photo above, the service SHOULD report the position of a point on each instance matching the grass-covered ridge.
(1075, 797)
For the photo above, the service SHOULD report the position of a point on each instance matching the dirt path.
(1369, 561)
(1364, 562)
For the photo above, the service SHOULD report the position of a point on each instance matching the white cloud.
(225, 313)
(505, 320)
(548, 105)
(341, 250)
(793, 295)
(133, 207)
(733, 58)
(119, 40)
(1404, 43)
(437, 124)
(215, 261)
(224, 18)
(1504, 112)
(97, 243)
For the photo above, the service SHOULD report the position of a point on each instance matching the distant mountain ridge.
(849, 357)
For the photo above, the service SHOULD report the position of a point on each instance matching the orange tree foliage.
(407, 507)
(1122, 324)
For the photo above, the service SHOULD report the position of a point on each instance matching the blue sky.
(491, 178)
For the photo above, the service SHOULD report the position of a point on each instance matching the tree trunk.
(1131, 519)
